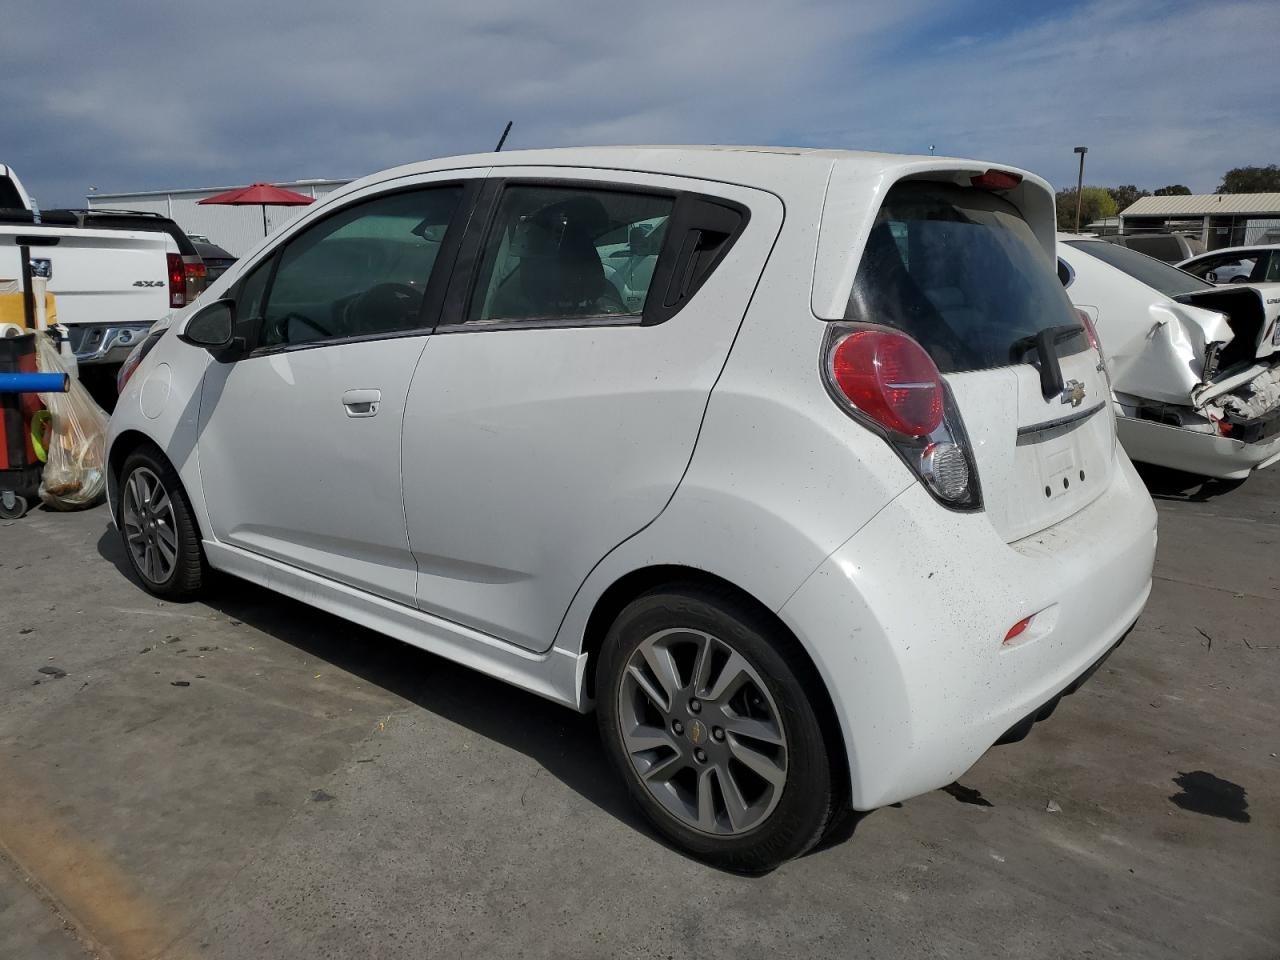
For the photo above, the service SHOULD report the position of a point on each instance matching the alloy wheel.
(702, 732)
(148, 520)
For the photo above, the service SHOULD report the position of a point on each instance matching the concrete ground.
(251, 778)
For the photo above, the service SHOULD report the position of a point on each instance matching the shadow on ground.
(1165, 483)
(564, 742)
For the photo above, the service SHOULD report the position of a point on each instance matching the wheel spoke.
(166, 535)
(660, 771)
(707, 799)
(735, 807)
(135, 493)
(166, 552)
(663, 666)
(730, 677)
(765, 731)
(643, 682)
(645, 736)
(759, 763)
(159, 502)
(702, 666)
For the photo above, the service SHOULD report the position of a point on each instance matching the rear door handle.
(362, 403)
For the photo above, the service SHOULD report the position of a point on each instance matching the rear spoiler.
(856, 190)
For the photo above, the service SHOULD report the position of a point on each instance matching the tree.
(1251, 180)
(1124, 196)
(1096, 203)
(1173, 190)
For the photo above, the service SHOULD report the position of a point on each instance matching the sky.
(129, 95)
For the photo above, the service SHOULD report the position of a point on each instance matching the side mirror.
(213, 327)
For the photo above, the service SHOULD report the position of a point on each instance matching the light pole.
(1080, 185)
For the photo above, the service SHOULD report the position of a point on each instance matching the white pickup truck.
(112, 274)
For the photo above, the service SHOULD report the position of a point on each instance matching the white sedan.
(1259, 263)
(1195, 369)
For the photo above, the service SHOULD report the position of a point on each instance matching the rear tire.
(702, 711)
(158, 528)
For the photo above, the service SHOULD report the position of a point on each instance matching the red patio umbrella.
(260, 194)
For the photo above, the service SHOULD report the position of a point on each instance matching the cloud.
(132, 96)
(1165, 93)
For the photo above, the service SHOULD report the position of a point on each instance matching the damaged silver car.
(1194, 368)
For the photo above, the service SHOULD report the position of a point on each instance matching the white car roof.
(845, 188)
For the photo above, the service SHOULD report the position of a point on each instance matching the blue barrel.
(33, 382)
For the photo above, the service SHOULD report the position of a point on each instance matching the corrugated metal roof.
(1199, 204)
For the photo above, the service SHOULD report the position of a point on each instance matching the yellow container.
(11, 309)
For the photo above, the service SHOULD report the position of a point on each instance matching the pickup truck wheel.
(157, 527)
(702, 710)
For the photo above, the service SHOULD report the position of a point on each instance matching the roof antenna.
(503, 138)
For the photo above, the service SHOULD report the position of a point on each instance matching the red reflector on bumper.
(1017, 629)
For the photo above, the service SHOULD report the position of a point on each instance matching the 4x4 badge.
(1073, 393)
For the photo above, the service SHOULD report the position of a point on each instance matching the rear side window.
(1157, 274)
(556, 253)
(960, 271)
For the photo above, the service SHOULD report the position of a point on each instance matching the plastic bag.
(74, 477)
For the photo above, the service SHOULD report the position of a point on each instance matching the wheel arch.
(635, 583)
(125, 443)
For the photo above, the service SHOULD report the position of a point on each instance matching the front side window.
(362, 271)
(556, 253)
(1224, 268)
(959, 270)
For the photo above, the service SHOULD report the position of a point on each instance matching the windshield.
(960, 271)
(1156, 274)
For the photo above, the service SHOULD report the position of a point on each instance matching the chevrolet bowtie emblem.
(1073, 393)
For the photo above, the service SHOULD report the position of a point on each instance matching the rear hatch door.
(960, 270)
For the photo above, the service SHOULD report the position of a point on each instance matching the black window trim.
(466, 274)
(433, 296)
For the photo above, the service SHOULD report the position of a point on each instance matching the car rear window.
(960, 271)
(1156, 274)
(1167, 249)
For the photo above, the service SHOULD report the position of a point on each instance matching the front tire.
(702, 710)
(158, 529)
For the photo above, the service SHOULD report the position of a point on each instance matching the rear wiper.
(1045, 344)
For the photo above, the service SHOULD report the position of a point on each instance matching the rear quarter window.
(960, 271)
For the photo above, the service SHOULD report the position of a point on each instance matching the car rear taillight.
(891, 379)
(1090, 330)
(196, 271)
(887, 381)
(177, 281)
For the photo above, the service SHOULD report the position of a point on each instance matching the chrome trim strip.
(1061, 421)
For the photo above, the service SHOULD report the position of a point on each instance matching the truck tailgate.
(98, 276)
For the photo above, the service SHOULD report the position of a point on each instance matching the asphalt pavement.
(249, 777)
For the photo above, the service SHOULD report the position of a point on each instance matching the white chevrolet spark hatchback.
(796, 466)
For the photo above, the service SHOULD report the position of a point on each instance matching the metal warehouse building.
(1219, 219)
(236, 229)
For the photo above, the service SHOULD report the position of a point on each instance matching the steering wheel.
(384, 306)
(277, 333)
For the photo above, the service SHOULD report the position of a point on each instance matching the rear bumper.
(906, 623)
(105, 343)
(1206, 454)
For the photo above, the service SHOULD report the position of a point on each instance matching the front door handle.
(362, 403)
